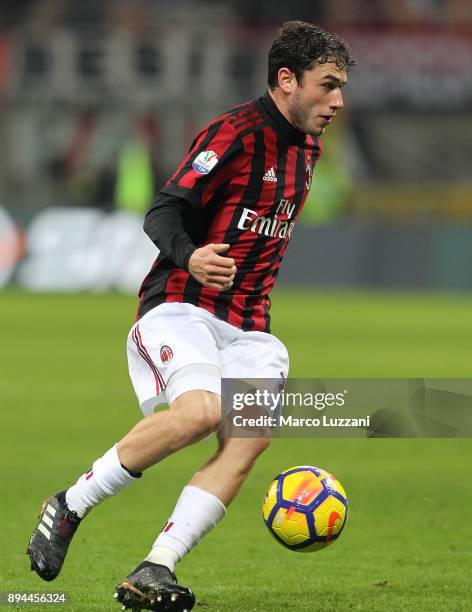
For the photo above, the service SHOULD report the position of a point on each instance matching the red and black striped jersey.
(245, 179)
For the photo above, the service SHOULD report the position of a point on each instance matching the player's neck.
(280, 103)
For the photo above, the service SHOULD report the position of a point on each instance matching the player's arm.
(164, 226)
(207, 165)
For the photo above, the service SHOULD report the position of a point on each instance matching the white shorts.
(179, 347)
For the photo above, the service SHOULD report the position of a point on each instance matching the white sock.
(195, 513)
(106, 477)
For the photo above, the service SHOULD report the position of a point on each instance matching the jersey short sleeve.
(207, 165)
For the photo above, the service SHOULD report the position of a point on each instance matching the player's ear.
(286, 80)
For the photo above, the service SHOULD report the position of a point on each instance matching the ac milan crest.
(166, 354)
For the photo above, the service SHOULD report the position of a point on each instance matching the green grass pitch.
(66, 398)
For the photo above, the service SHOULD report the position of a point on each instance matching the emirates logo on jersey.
(278, 226)
(272, 227)
(166, 354)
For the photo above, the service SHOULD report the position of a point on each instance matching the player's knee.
(196, 414)
(201, 413)
(245, 448)
(249, 449)
(207, 416)
(253, 447)
(258, 445)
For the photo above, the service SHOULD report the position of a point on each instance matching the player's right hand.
(211, 269)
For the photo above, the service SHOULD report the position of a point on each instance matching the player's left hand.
(210, 268)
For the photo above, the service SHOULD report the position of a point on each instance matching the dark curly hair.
(299, 46)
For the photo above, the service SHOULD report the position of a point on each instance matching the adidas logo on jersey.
(270, 175)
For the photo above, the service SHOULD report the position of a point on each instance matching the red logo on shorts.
(166, 354)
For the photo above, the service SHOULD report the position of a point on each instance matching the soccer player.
(222, 224)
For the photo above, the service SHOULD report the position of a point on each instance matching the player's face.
(314, 101)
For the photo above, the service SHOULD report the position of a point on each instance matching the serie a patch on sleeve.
(204, 162)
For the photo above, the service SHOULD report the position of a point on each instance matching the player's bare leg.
(224, 474)
(191, 417)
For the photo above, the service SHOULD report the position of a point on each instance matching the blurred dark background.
(99, 101)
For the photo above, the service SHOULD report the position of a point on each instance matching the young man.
(222, 225)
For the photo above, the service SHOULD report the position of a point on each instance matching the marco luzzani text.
(271, 403)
